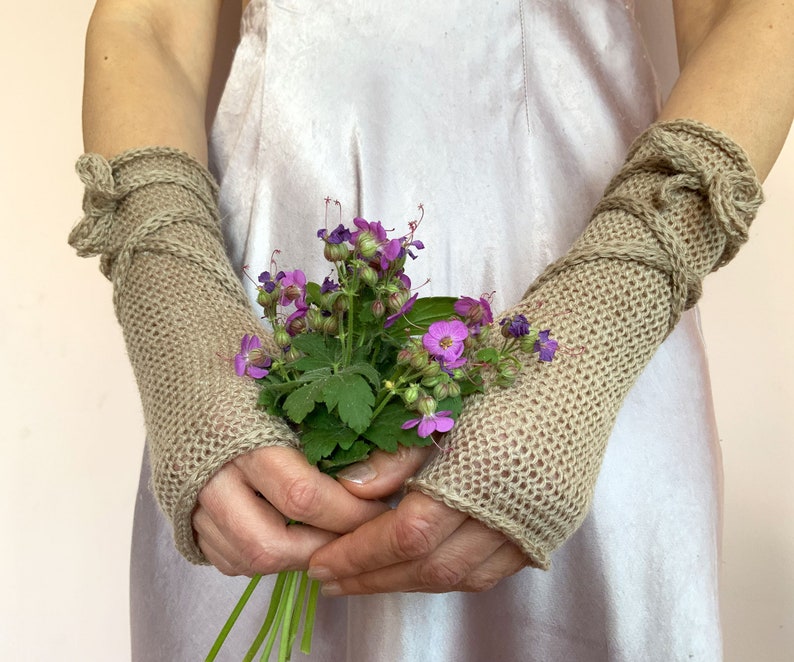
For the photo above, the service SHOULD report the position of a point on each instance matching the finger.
(247, 532)
(411, 531)
(383, 473)
(506, 561)
(302, 493)
(448, 568)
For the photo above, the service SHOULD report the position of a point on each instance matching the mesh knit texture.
(524, 460)
(152, 215)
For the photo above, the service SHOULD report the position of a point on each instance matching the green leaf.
(488, 355)
(364, 369)
(425, 311)
(307, 363)
(316, 345)
(455, 405)
(318, 444)
(313, 292)
(353, 398)
(385, 431)
(301, 401)
(340, 459)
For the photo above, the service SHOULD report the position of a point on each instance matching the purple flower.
(338, 235)
(328, 286)
(293, 286)
(268, 281)
(251, 360)
(476, 313)
(418, 245)
(545, 345)
(517, 326)
(406, 307)
(440, 421)
(444, 340)
(391, 251)
(375, 229)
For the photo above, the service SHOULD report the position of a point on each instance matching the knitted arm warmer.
(152, 215)
(524, 459)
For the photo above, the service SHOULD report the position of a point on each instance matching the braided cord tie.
(733, 197)
(106, 187)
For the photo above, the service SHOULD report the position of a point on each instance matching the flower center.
(446, 342)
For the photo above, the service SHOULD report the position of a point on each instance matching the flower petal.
(427, 426)
(410, 424)
(256, 372)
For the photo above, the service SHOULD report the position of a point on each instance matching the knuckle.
(302, 498)
(479, 582)
(257, 558)
(441, 574)
(415, 536)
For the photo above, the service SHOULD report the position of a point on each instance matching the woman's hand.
(422, 545)
(242, 513)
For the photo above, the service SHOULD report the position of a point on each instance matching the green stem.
(311, 611)
(283, 649)
(275, 598)
(297, 611)
(279, 618)
(388, 396)
(238, 608)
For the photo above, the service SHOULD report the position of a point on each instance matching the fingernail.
(360, 473)
(320, 573)
(330, 589)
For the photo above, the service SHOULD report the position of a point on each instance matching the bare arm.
(148, 66)
(737, 61)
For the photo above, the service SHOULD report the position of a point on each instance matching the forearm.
(147, 73)
(737, 72)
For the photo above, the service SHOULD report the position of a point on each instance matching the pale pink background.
(73, 432)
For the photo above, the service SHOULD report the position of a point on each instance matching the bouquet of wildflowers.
(364, 363)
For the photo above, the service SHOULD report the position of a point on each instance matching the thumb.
(383, 473)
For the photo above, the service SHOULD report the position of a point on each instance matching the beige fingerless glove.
(152, 215)
(524, 459)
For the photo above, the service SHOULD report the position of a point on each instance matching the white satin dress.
(506, 120)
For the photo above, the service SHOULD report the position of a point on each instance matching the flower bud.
(426, 405)
(527, 343)
(281, 336)
(397, 300)
(292, 293)
(404, 356)
(335, 252)
(368, 275)
(292, 354)
(315, 318)
(453, 389)
(431, 369)
(367, 244)
(430, 382)
(419, 360)
(340, 304)
(378, 310)
(330, 325)
(296, 326)
(411, 394)
(265, 298)
(441, 391)
(507, 375)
